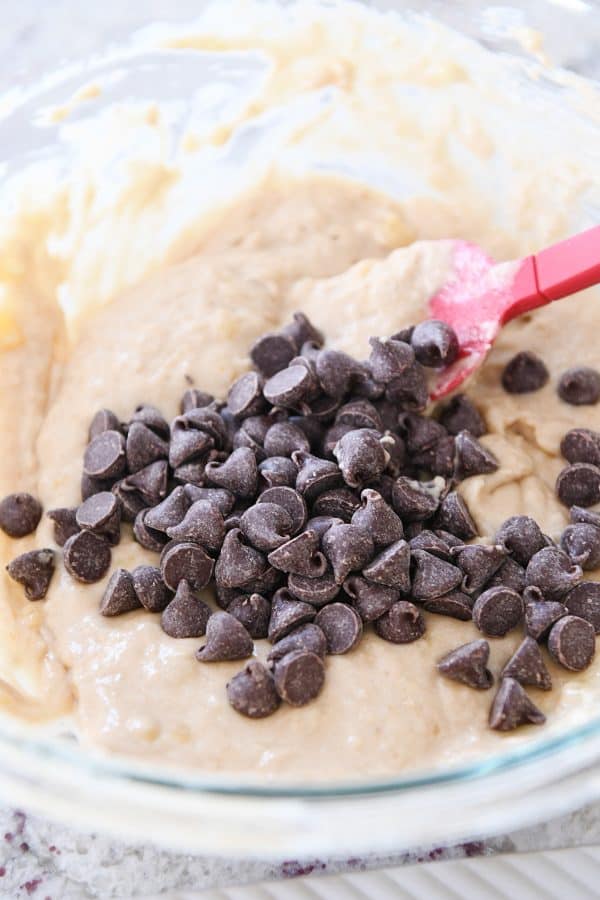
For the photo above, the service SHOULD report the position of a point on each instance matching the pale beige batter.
(74, 342)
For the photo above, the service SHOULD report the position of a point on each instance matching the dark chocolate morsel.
(461, 414)
(341, 503)
(252, 691)
(468, 665)
(370, 600)
(433, 577)
(378, 518)
(435, 343)
(551, 570)
(290, 387)
(478, 563)
(584, 601)
(277, 471)
(527, 666)
(512, 708)
(186, 561)
(336, 371)
(86, 556)
(471, 457)
(579, 386)
(432, 543)
(219, 497)
(456, 605)
(119, 595)
(391, 567)
(149, 538)
(510, 575)
(421, 432)
(19, 515)
(401, 624)
(91, 486)
(191, 473)
(266, 526)
(579, 485)
(293, 503)
(65, 523)
(341, 625)
(186, 615)
(299, 677)
(254, 612)
(521, 536)
(150, 482)
(284, 438)
(226, 639)
(203, 524)
(169, 512)
(238, 474)
(581, 445)
(150, 588)
(188, 444)
(101, 513)
(321, 524)
(306, 637)
(34, 571)
(359, 414)
(581, 543)
(152, 418)
(409, 391)
(389, 359)
(453, 515)
(245, 396)
(273, 352)
(572, 643)
(144, 446)
(315, 475)
(104, 420)
(194, 399)
(524, 373)
(540, 616)
(302, 331)
(300, 556)
(316, 591)
(497, 611)
(104, 456)
(413, 501)
(287, 613)
(238, 563)
(348, 548)
(361, 456)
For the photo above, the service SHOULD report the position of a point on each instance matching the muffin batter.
(76, 337)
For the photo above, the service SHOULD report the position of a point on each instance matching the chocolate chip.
(315, 475)
(152, 418)
(525, 372)
(497, 611)
(252, 691)
(238, 474)
(90, 486)
(86, 556)
(194, 399)
(191, 473)
(168, 513)
(527, 666)
(202, 524)
(34, 571)
(284, 438)
(104, 456)
(101, 513)
(336, 371)
(572, 643)
(104, 420)
(19, 515)
(186, 561)
(551, 570)
(510, 575)
(290, 387)
(389, 359)
(420, 432)
(409, 391)
(540, 616)
(431, 543)
(188, 444)
(579, 386)
(442, 457)
(471, 457)
(348, 548)
(150, 482)
(512, 708)
(331, 438)
(300, 556)
(253, 611)
(293, 503)
(342, 627)
(361, 456)
(453, 515)
(391, 567)
(581, 543)
(277, 471)
(302, 330)
(226, 639)
(119, 596)
(266, 526)
(238, 563)
(311, 425)
(581, 445)
(433, 577)
(413, 501)
(316, 591)
(143, 447)
(150, 588)
(273, 352)
(149, 538)
(256, 427)
(584, 601)
(321, 524)
(461, 414)
(468, 665)
(65, 523)
(245, 396)
(307, 637)
(435, 343)
(359, 414)
(266, 583)
(395, 448)
(579, 485)
(379, 519)
(402, 624)
(222, 499)
(456, 605)
(206, 420)
(449, 539)
(287, 613)
(520, 536)
(370, 600)
(186, 615)
(341, 503)
(478, 563)
(299, 677)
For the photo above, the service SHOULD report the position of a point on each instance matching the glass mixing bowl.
(193, 811)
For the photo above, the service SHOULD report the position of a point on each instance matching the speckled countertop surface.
(45, 861)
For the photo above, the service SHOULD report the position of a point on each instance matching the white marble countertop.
(46, 861)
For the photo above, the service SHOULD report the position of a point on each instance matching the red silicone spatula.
(482, 295)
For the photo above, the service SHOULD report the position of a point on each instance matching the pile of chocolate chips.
(320, 501)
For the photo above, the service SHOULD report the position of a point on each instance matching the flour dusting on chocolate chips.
(319, 501)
